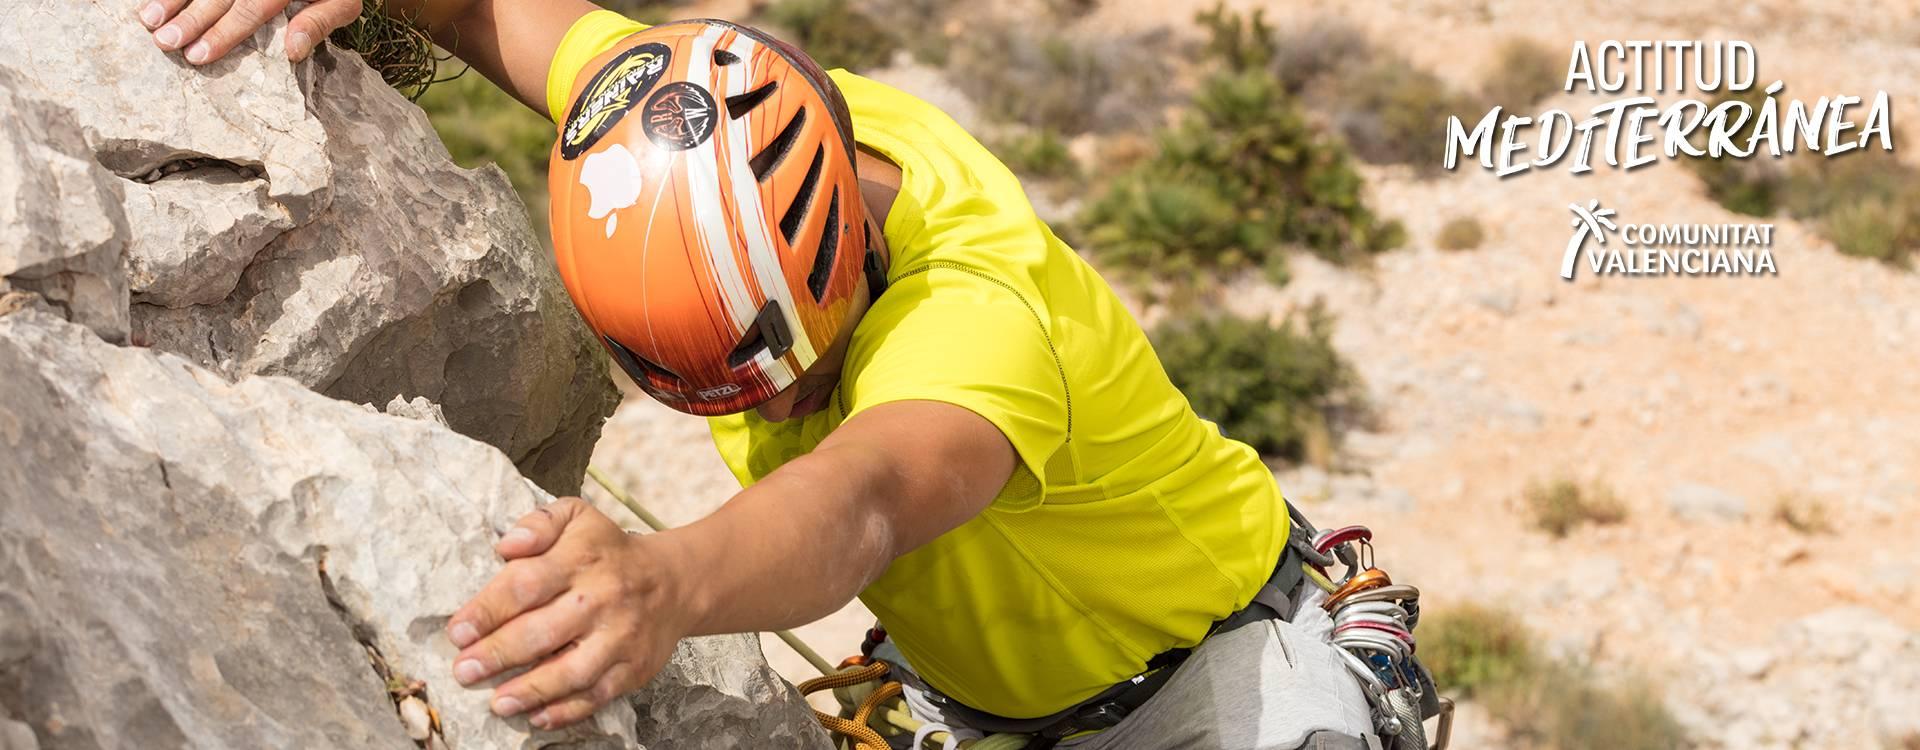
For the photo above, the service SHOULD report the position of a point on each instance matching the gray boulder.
(192, 562)
(300, 221)
(62, 232)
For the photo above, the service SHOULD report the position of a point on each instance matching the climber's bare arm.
(508, 41)
(789, 550)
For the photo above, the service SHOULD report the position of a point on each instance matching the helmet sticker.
(679, 116)
(613, 91)
(612, 178)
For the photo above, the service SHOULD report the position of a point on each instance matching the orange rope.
(857, 729)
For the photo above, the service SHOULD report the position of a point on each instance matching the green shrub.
(1560, 506)
(1275, 388)
(1391, 112)
(1307, 54)
(1241, 43)
(1524, 72)
(1471, 647)
(1866, 202)
(1022, 73)
(1036, 153)
(1461, 233)
(1488, 656)
(832, 32)
(1242, 174)
(482, 124)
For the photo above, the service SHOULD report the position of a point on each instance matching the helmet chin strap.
(875, 264)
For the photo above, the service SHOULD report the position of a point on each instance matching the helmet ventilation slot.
(770, 157)
(637, 367)
(802, 198)
(829, 245)
(739, 105)
(724, 57)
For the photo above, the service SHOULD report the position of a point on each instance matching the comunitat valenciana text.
(1633, 131)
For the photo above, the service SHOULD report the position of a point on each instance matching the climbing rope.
(856, 728)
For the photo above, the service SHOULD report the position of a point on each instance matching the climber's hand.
(208, 29)
(593, 607)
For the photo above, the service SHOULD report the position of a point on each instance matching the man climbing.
(933, 403)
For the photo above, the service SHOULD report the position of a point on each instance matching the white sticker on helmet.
(612, 178)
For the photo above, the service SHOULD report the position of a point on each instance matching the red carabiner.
(1330, 539)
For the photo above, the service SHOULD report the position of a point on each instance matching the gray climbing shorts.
(1269, 685)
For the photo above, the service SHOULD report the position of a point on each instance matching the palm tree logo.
(1586, 221)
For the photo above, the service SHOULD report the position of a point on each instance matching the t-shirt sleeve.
(956, 336)
(593, 34)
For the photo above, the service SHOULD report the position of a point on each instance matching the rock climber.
(933, 404)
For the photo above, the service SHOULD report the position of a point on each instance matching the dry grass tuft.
(1461, 233)
(1560, 506)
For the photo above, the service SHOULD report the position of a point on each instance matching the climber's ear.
(537, 531)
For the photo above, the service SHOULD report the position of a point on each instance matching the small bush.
(1866, 202)
(1524, 72)
(1461, 233)
(1021, 73)
(1391, 112)
(1275, 388)
(1489, 656)
(1036, 153)
(1471, 647)
(832, 32)
(1242, 174)
(1310, 53)
(1804, 515)
(1562, 707)
(1241, 43)
(1560, 506)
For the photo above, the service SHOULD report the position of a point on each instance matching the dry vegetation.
(1488, 656)
(1460, 233)
(1562, 505)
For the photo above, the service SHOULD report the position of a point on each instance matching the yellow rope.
(864, 737)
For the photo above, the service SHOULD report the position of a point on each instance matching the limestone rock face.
(301, 221)
(719, 693)
(193, 562)
(62, 232)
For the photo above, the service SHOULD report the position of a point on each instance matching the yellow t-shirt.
(1130, 525)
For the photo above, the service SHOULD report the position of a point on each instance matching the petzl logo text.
(1665, 249)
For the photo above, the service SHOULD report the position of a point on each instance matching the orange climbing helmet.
(706, 216)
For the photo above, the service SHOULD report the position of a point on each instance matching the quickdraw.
(1373, 623)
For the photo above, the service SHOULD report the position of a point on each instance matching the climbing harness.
(1373, 623)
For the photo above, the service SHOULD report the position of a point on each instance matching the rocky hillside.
(212, 540)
